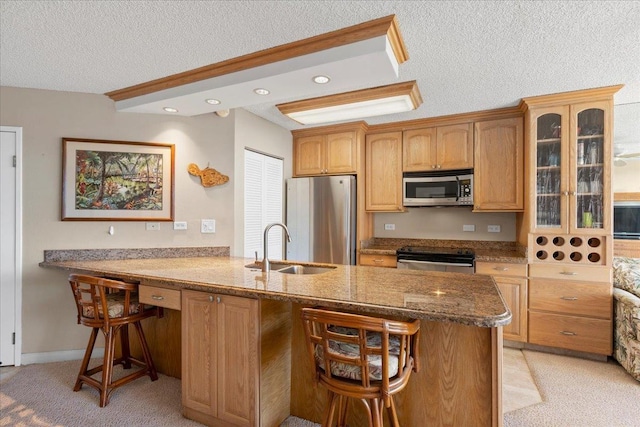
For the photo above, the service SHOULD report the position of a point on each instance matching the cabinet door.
(589, 173)
(341, 149)
(549, 162)
(498, 181)
(419, 150)
(455, 146)
(199, 353)
(514, 292)
(309, 155)
(383, 185)
(238, 360)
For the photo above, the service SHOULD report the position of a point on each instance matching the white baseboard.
(58, 356)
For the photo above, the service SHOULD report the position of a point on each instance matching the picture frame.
(106, 180)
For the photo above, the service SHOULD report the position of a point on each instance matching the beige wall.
(258, 134)
(48, 318)
(445, 223)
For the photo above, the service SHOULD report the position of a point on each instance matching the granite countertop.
(444, 297)
(487, 251)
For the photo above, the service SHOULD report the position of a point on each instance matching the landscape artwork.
(117, 180)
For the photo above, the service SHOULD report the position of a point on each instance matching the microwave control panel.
(466, 194)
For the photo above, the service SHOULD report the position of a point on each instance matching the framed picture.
(117, 180)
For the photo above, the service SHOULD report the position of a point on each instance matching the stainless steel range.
(436, 259)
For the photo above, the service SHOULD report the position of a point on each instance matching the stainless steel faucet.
(266, 266)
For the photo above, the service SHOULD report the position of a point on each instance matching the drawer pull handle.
(378, 261)
(157, 297)
(569, 298)
(568, 273)
(501, 268)
(568, 333)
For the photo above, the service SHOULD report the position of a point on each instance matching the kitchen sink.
(285, 268)
(304, 269)
(274, 266)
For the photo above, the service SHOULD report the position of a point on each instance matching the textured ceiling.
(466, 56)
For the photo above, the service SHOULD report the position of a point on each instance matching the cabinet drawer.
(570, 332)
(571, 272)
(501, 269)
(162, 297)
(378, 260)
(576, 298)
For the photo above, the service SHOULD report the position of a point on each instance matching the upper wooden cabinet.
(328, 151)
(568, 155)
(383, 174)
(499, 165)
(570, 160)
(438, 148)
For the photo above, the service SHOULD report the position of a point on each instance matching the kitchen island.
(460, 376)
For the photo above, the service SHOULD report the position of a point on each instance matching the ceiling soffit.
(367, 53)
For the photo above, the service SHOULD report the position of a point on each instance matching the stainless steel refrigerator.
(321, 218)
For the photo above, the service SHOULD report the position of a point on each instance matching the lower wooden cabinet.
(235, 352)
(576, 315)
(512, 282)
(378, 260)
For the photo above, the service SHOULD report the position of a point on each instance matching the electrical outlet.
(208, 226)
(493, 228)
(389, 226)
(468, 227)
(180, 225)
(155, 226)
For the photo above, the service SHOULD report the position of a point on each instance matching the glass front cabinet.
(572, 169)
(569, 158)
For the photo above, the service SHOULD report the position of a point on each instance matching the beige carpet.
(575, 392)
(578, 393)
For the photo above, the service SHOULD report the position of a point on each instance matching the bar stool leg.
(107, 366)
(393, 414)
(342, 411)
(87, 357)
(124, 344)
(151, 367)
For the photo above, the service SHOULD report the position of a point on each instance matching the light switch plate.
(208, 226)
(180, 225)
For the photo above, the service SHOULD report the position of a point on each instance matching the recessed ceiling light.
(261, 91)
(170, 110)
(321, 79)
(212, 101)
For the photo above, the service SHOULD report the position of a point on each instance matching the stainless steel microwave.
(443, 188)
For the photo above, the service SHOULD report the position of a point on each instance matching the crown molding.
(562, 98)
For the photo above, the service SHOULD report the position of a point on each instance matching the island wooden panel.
(163, 336)
(457, 379)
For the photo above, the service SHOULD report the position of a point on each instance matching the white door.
(263, 203)
(10, 142)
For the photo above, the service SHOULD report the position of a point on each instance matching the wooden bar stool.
(110, 306)
(362, 357)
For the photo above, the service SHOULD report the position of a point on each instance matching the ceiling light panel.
(390, 99)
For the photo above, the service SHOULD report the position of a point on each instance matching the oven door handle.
(449, 264)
